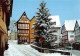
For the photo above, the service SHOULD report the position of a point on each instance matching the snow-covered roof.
(55, 19)
(69, 24)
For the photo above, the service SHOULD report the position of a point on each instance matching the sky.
(65, 9)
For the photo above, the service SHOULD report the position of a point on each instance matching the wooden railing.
(46, 50)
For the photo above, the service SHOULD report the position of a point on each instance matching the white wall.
(71, 35)
(58, 36)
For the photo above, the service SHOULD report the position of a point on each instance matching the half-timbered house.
(77, 31)
(76, 42)
(32, 26)
(56, 29)
(68, 31)
(23, 25)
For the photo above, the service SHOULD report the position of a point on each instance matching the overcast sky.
(65, 9)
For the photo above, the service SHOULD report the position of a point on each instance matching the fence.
(46, 50)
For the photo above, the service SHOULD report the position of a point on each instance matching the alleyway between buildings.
(25, 50)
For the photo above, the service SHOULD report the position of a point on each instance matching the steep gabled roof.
(32, 18)
(55, 19)
(69, 25)
(25, 15)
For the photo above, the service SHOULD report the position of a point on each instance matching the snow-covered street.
(20, 50)
(25, 50)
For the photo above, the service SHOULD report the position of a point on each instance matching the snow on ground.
(25, 50)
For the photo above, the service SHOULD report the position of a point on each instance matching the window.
(32, 26)
(23, 25)
(75, 32)
(27, 21)
(72, 32)
(71, 36)
(19, 31)
(65, 37)
(23, 31)
(19, 25)
(76, 26)
(28, 25)
(78, 30)
(26, 31)
(32, 32)
(55, 36)
(65, 33)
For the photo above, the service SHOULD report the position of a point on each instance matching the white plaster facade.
(68, 31)
(71, 35)
(56, 28)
